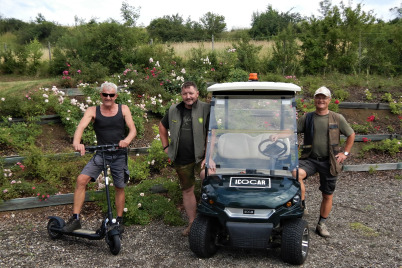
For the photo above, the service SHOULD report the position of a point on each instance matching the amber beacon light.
(253, 77)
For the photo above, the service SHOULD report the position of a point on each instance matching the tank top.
(109, 129)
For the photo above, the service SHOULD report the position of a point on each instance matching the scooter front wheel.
(114, 243)
(53, 223)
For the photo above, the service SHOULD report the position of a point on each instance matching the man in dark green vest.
(187, 123)
(322, 152)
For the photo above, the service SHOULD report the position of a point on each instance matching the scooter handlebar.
(102, 148)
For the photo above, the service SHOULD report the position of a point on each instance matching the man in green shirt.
(321, 151)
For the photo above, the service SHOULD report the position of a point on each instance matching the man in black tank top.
(110, 120)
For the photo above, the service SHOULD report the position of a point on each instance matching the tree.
(130, 14)
(168, 28)
(247, 54)
(286, 50)
(40, 18)
(271, 22)
(213, 23)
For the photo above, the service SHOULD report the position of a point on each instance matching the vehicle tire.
(295, 241)
(53, 223)
(202, 236)
(114, 243)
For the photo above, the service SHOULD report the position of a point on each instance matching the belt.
(320, 159)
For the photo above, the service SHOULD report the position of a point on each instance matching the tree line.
(343, 39)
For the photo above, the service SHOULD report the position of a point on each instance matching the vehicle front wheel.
(295, 241)
(203, 233)
(114, 243)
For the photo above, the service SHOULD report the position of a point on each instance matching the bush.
(143, 206)
(391, 147)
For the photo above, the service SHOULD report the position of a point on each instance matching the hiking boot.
(305, 211)
(72, 224)
(322, 230)
(187, 230)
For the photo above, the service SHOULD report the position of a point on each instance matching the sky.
(238, 14)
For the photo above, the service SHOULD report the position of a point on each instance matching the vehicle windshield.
(241, 133)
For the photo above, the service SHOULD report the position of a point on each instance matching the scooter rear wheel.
(53, 223)
(114, 243)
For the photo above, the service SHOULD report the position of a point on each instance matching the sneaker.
(72, 224)
(322, 230)
(187, 230)
(120, 225)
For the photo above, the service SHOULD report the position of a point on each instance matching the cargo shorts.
(186, 174)
(327, 181)
(118, 168)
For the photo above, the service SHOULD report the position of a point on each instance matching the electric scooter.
(109, 227)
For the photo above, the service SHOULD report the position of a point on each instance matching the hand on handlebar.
(79, 148)
(123, 144)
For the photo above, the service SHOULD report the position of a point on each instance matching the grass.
(11, 84)
(365, 230)
(182, 49)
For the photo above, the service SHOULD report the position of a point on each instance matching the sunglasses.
(107, 94)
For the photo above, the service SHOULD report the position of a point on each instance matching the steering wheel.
(273, 150)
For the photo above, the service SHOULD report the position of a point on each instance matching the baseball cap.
(323, 90)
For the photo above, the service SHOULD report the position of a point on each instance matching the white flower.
(183, 71)
(9, 119)
(139, 205)
(68, 118)
(125, 209)
(46, 100)
(157, 64)
(151, 60)
(45, 96)
(3, 99)
(142, 194)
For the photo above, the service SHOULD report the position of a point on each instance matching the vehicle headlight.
(296, 199)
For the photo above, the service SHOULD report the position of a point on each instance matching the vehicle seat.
(244, 146)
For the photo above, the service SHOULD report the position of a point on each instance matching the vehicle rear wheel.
(203, 233)
(53, 223)
(295, 241)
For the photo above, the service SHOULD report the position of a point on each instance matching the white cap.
(323, 90)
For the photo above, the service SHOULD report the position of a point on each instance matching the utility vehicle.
(251, 199)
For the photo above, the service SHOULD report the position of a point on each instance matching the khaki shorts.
(186, 174)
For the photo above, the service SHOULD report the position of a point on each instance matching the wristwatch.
(346, 153)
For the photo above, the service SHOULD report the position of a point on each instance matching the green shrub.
(391, 147)
(143, 206)
(156, 157)
(139, 168)
(361, 129)
(341, 94)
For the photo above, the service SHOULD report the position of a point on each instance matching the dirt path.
(365, 224)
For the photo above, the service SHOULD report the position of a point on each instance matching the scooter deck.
(84, 232)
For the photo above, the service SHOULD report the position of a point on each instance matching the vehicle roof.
(254, 86)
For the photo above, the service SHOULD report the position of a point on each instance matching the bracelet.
(164, 148)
